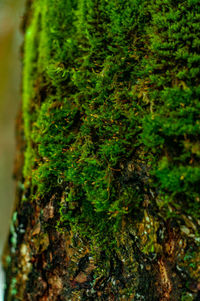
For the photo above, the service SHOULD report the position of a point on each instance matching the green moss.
(187, 297)
(86, 122)
(171, 130)
(13, 290)
(13, 232)
(29, 75)
(108, 84)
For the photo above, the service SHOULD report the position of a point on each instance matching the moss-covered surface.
(111, 170)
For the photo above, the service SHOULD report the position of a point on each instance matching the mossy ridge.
(29, 75)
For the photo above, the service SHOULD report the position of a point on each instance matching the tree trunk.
(107, 165)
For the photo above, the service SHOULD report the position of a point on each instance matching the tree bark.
(107, 161)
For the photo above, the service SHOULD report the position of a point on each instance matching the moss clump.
(110, 95)
(81, 117)
(171, 130)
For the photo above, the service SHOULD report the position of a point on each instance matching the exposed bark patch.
(165, 283)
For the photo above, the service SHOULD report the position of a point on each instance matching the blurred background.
(11, 12)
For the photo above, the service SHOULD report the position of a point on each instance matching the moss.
(13, 232)
(29, 74)
(110, 106)
(13, 287)
(171, 130)
(187, 297)
(90, 122)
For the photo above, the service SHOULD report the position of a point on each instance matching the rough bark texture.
(107, 168)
